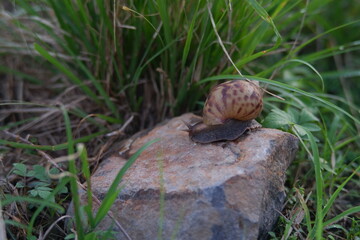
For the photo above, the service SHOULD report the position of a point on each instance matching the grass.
(74, 71)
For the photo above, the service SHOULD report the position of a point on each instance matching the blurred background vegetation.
(104, 62)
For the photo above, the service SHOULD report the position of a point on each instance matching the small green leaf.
(300, 121)
(33, 192)
(300, 130)
(40, 173)
(20, 169)
(277, 119)
(44, 188)
(37, 184)
(64, 190)
(325, 166)
(312, 127)
(290, 117)
(70, 236)
(19, 184)
(31, 173)
(330, 237)
(307, 116)
(293, 115)
(44, 194)
(54, 171)
(90, 236)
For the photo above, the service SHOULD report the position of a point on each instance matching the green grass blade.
(264, 15)
(281, 62)
(66, 71)
(288, 226)
(18, 123)
(28, 7)
(113, 191)
(312, 68)
(343, 214)
(77, 81)
(100, 88)
(331, 52)
(162, 5)
(250, 58)
(346, 142)
(189, 38)
(319, 186)
(284, 86)
(324, 33)
(164, 14)
(73, 180)
(136, 101)
(87, 73)
(338, 190)
(61, 146)
(15, 224)
(9, 199)
(64, 19)
(105, 16)
(86, 20)
(109, 119)
(22, 75)
(304, 206)
(86, 172)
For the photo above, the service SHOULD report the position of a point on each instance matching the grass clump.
(73, 71)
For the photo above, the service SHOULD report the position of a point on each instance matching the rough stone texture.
(225, 190)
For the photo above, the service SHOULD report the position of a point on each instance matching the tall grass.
(159, 59)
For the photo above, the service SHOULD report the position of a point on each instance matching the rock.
(225, 190)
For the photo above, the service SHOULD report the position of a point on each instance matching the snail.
(229, 111)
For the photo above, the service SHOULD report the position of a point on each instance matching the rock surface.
(225, 190)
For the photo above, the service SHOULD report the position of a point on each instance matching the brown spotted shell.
(237, 99)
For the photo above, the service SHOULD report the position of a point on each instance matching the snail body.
(228, 112)
(229, 131)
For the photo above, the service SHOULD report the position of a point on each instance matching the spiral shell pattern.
(237, 99)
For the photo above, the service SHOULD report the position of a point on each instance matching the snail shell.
(228, 112)
(235, 99)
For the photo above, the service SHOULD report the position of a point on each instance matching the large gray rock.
(225, 190)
